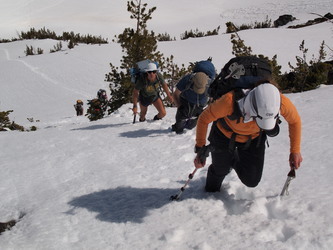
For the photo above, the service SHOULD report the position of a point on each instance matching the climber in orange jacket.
(238, 134)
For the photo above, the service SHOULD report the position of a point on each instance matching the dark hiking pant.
(146, 101)
(246, 160)
(79, 110)
(186, 116)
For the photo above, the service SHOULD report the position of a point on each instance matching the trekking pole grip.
(203, 153)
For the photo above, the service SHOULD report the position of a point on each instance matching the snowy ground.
(106, 184)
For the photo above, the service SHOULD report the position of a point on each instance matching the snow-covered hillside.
(109, 18)
(106, 184)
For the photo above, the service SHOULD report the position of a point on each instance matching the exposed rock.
(283, 20)
(321, 19)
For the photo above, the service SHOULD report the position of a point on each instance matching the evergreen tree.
(6, 123)
(306, 75)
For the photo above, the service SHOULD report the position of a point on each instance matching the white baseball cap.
(265, 103)
(151, 67)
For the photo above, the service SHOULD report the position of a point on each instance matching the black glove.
(197, 149)
(202, 153)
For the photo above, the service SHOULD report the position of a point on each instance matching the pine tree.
(307, 75)
(6, 123)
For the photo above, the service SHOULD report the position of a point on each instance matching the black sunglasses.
(149, 72)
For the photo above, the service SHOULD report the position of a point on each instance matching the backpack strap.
(144, 79)
(232, 142)
(236, 115)
(159, 90)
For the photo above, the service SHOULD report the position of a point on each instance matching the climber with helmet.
(98, 106)
(146, 92)
(103, 99)
(101, 95)
(238, 134)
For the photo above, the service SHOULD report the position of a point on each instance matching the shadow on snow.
(145, 133)
(129, 134)
(123, 204)
(130, 204)
(101, 126)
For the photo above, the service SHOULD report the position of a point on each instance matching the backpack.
(95, 111)
(206, 67)
(242, 72)
(139, 69)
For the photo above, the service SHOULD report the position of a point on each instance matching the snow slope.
(109, 18)
(106, 184)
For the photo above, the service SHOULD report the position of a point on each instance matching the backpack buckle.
(236, 70)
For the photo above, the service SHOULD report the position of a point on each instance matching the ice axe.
(291, 176)
(134, 118)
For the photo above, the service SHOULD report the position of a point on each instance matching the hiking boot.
(211, 190)
(157, 118)
(191, 123)
(178, 131)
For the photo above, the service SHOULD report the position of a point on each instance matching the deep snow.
(106, 184)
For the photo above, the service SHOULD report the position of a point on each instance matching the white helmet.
(151, 67)
(265, 103)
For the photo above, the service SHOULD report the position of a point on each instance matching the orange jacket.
(224, 106)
